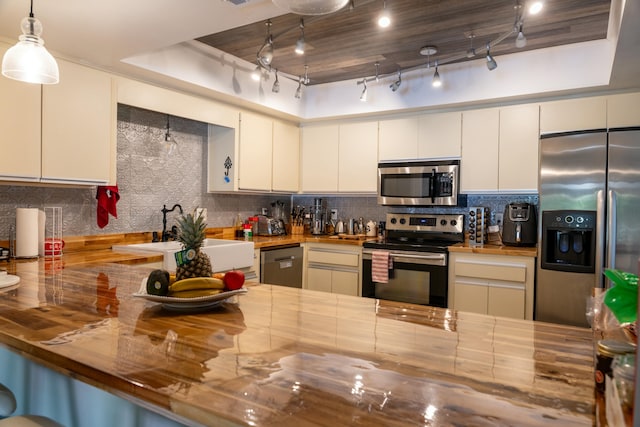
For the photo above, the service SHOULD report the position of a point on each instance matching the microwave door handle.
(432, 186)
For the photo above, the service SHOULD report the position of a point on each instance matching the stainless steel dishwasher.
(281, 266)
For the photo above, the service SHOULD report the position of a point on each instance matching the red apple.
(233, 280)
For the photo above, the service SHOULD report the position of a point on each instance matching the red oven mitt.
(108, 196)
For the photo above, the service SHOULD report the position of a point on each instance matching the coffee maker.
(318, 217)
(519, 226)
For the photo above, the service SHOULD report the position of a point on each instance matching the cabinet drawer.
(495, 271)
(345, 258)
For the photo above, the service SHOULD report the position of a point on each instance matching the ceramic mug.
(53, 246)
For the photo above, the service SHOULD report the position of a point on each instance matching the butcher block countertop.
(279, 356)
(495, 249)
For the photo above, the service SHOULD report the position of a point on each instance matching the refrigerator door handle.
(600, 230)
(611, 232)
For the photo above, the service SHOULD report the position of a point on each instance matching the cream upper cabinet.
(358, 157)
(440, 135)
(255, 153)
(286, 157)
(398, 139)
(623, 111)
(79, 127)
(518, 148)
(319, 158)
(573, 114)
(21, 124)
(479, 165)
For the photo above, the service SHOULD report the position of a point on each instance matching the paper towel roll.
(27, 231)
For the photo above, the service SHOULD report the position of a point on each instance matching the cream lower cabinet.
(333, 268)
(498, 285)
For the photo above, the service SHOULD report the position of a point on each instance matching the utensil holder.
(53, 231)
(297, 229)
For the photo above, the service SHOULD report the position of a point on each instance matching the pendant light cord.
(31, 10)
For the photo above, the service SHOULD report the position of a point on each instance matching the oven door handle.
(438, 257)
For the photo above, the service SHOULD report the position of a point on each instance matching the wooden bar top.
(279, 356)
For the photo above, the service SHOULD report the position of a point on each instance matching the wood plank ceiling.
(347, 44)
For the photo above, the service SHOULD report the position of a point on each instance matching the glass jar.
(607, 350)
(624, 372)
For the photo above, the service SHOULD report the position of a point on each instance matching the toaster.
(268, 226)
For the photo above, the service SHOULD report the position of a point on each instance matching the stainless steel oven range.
(416, 249)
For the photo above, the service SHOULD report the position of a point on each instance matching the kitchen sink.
(224, 254)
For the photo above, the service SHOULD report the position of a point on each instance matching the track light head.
(298, 93)
(276, 84)
(384, 20)
(395, 85)
(437, 82)
(256, 74)
(300, 44)
(363, 96)
(491, 63)
(521, 40)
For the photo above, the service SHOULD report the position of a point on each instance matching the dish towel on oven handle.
(381, 263)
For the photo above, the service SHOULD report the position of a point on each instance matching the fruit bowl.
(187, 304)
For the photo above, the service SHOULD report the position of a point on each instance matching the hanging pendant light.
(28, 60)
(521, 40)
(170, 143)
(384, 20)
(298, 93)
(311, 7)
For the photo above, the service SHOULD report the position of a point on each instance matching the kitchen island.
(284, 356)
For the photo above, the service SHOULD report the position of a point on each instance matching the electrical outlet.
(334, 214)
(499, 218)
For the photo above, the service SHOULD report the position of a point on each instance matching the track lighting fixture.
(306, 76)
(395, 85)
(28, 60)
(276, 84)
(300, 44)
(363, 96)
(521, 40)
(377, 64)
(384, 20)
(298, 93)
(491, 63)
(436, 78)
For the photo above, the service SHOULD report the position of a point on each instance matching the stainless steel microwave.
(422, 183)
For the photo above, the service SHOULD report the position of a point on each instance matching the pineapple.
(192, 234)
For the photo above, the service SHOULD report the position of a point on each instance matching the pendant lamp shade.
(311, 7)
(28, 60)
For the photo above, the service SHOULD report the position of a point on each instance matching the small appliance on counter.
(268, 226)
(519, 227)
(318, 217)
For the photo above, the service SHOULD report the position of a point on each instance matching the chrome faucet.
(174, 230)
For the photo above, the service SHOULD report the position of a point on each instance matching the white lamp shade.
(30, 62)
(311, 7)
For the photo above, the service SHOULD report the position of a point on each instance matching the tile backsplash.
(150, 177)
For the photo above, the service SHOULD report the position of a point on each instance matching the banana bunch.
(196, 287)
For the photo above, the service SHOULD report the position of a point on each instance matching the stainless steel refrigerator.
(589, 217)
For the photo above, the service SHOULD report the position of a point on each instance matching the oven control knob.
(579, 220)
(454, 222)
(393, 220)
(568, 219)
(443, 222)
(402, 221)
